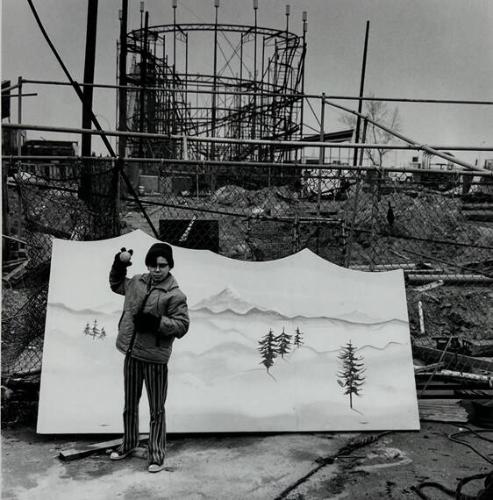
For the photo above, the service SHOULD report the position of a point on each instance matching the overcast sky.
(439, 49)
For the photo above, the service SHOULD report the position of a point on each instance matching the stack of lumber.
(442, 410)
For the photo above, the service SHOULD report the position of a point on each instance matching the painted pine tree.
(283, 343)
(268, 349)
(351, 376)
(298, 337)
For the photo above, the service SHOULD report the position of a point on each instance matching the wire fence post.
(19, 116)
(354, 211)
(374, 181)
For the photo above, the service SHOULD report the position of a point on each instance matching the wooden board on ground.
(442, 410)
(85, 451)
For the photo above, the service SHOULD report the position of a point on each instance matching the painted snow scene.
(295, 344)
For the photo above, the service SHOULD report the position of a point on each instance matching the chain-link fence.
(435, 226)
(71, 201)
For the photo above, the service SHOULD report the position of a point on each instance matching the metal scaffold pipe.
(361, 91)
(293, 144)
(250, 164)
(411, 142)
(270, 94)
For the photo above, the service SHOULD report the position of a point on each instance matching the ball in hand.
(125, 256)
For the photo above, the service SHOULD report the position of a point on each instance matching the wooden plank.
(461, 385)
(467, 376)
(452, 358)
(425, 368)
(479, 347)
(15, 271)
(440, 410)
(85, 451)
(453, 394)
(415, 278)
(428, 286)
(479, 215)
(437, 394)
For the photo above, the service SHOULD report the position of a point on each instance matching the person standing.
(155, 313)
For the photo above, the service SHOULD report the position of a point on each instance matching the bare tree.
(380, 112)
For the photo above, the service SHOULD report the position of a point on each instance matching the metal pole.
(90, 57)
(241, 59)
(228, 140)
(274, 100)
(186, 82)
(254, 111)
(214, 83)
(240, 104)
(285, 154)
(321, 156)
(304, 18)
(122, 97)
(349, 246)
(174, 36)
(314, 96)
(214, 98)
(262, 116)
(428, 149)
(143, 77)
(229, 163)
(19, 116)
(361, 92)
(174, 68)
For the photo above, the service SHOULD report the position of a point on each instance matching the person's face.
(160, 270)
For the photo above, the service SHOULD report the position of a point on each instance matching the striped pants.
(155, 376)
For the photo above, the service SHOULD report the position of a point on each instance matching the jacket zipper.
(141, 308)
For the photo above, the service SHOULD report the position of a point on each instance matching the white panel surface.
(217, 382)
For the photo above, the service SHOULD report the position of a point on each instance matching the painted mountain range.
(219, 382)
(229, 300)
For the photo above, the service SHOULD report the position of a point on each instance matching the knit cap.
(159, 250)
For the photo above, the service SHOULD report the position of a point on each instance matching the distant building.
(11, 139)
(433, 173)
(56, 168)
(330, 182)
(40, 147)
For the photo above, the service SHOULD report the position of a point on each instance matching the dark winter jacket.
(164, 300)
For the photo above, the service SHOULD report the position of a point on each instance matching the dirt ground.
(290, 466)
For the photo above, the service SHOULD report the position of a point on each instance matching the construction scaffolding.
(251, 88)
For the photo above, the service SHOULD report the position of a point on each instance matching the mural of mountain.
(226, 300)
(105, 310)
(229, 300)
(221, 381)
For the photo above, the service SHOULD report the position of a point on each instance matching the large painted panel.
(296, 344)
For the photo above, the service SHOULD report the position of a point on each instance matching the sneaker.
(120, 455)
(155, 467)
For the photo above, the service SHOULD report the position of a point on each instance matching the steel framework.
(251, 88)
